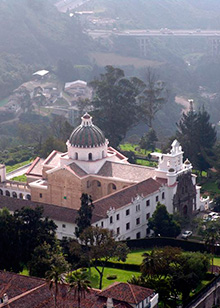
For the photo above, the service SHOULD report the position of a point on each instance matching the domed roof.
(87, 135)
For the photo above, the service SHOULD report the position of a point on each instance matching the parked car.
(186, 234)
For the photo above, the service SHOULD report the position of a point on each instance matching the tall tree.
(152, 98)
(114, 103)
(197, 137)
(78, 281)
(162, 222)
(83, 220)
(102, 247)
(56, 274)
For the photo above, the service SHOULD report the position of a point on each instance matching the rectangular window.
(96, 225)
(138, 221)
(157, 198)
(118, 231)
(111, 220)
(163, 195)
(117, 216)
(41, 195)
(102, 224)
(148, 203)
(127, 225)
(63, 226)
(127, 212)
(148, 216)
(138, 235)
(138, 207)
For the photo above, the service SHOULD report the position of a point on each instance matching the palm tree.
(78, 281)
(56, 274)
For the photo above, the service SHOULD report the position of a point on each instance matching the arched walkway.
(1, 192)
(14, 194)
(7, 193)
(21, 196)
(28, 197)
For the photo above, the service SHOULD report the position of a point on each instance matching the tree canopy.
(162, 223)
(114, 103)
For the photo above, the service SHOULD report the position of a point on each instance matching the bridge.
(143, 36)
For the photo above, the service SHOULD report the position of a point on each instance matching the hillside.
(174, 14)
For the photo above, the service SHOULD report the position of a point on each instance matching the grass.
(147, 163)
(122, 276)
(16, 166)
(25, 272)
(20, 178)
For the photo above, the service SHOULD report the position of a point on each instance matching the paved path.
(20, 171)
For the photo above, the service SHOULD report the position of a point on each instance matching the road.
(155, 33)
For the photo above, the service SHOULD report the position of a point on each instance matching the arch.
(7, 193)
(14, 194)
(111, 188)
(90, 156)
(21, 196)
(1, 192)
(76, 156)
(28, 197)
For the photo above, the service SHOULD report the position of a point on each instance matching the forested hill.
(174, 14)
(36, 32)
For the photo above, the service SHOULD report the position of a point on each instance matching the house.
(17, 291)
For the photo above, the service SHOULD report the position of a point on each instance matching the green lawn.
(20, 178)
(122, 276)
(135, 257)
(16, 166)
(146, 163)
(132, 147)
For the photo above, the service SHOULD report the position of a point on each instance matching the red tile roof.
(36, 167)
(125, 196)
(30, 292)
(126, 292)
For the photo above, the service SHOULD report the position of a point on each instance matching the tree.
(9, 243)
(83, 220)
(55, 275)
(102, 247)
(114, 103)
(33, 230)
(78, 281)
(147, 141)
(210, 231)
(162, 222)
(197, 137)
(152, 98)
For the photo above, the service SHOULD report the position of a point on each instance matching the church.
(91, 166)
(124, 195)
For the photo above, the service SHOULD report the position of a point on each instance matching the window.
(88, 184)
(102, 224)
(138, 221)
(127, 212)
(148, 216)
(128, 238)
(64, 197)
(117, 217)
(40, 195)
(63, 226)
(90, 156)
(138, 207)
(98, 184)
(163, 195)
(147, 231)
(111, 220)
(76, 156)
(127, 225)
(157, 198)
(148, 203)
(138, 235)
(118, 231)
(96, 225)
